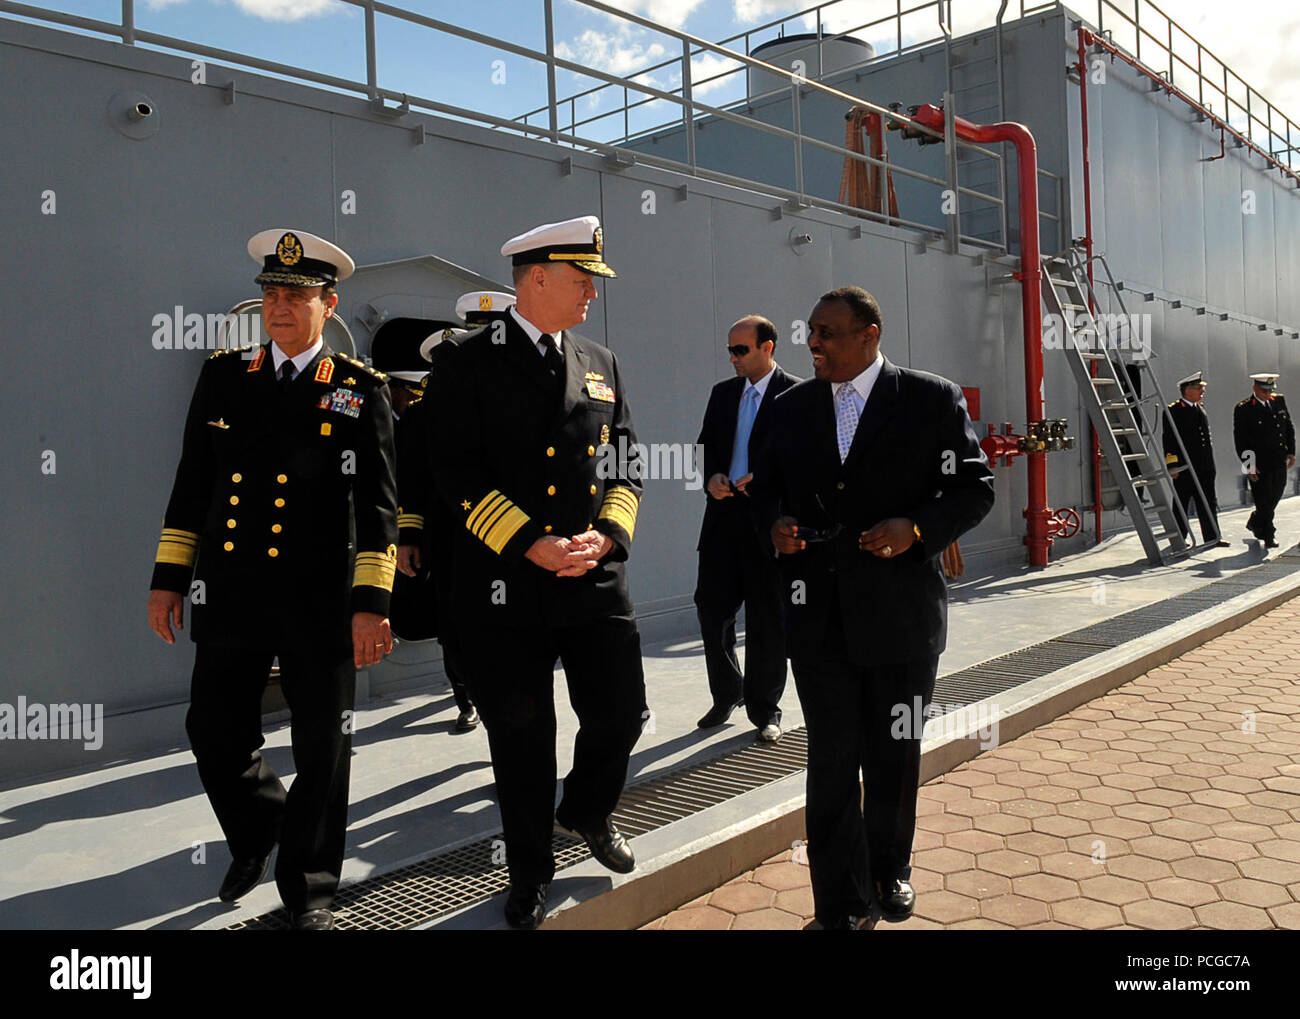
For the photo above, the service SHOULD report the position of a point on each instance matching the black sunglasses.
(813, 534)
(739, 350)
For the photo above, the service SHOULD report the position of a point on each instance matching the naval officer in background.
(871, 471)
(736, 563)
(406, 357)
(1265, 441)
(532, 449)
(1193, 427)
(279, 447)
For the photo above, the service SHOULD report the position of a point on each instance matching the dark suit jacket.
(271, 490)
(514, 460)
(915, 454)
(718, 435)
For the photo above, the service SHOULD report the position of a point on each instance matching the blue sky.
(327, 36)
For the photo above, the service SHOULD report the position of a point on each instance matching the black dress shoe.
(897, 900)
(1270, 543)
(526, 905)
(467, 720)
(314, 920)
(843, 923)
(607, 845)
(717, 716)
(1222, 544)
(242, 877)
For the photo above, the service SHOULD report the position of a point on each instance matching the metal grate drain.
(453, 879)
(425, 890)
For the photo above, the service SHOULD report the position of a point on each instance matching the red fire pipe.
(1087, 246)
(1039, 537)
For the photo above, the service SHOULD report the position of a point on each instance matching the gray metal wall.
(1170, 219)
(143, 226)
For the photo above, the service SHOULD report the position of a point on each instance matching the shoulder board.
(1175, 404)
(233, 350)
(1245, 402)
(363, 366)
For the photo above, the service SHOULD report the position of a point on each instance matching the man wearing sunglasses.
(871, 471)
(736, 564)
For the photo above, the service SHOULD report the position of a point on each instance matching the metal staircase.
(1124, 403)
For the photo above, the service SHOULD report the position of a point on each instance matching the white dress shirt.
(760, 385)
(535, 334)
(300, 362)
(862, 385)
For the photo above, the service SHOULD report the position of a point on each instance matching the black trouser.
(864, 768)
(453, 665)
(734, 570)
(511, 677)
(224, 724)
(1207, 515)
(1267, 492)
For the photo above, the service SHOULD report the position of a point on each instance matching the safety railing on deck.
(691, 109)
(1168, 49)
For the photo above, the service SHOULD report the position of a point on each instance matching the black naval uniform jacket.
(718, 436)
(1193, 426)
(423, 519)
(914, 454)
(1265, 431)
(284, 504)
(515, 459)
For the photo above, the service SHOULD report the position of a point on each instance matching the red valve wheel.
(1066, 523)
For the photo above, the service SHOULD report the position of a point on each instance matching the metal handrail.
(130, 34)
(821, 42)
(1167, 55)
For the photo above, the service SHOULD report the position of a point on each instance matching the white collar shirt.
(862, 385)
(535, 334)
(301, 361)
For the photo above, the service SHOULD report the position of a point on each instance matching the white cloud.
(268, 10)
(284, 10)
(746, 11)
(670, 13)
(619, 52)
(706, 66)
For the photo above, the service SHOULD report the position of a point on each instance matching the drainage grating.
(451, 880)
(423, 891)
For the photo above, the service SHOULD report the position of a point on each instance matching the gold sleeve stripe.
(489, 502)
(178, 548)
(495, 520)
(620, 507)
(410, 520)
(500, 533)
(374, 569)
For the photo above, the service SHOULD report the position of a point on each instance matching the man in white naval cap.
(532, 439)
(420, 611)
(1187, 416)
(1265, 441)
(481, 306)
(286, 451)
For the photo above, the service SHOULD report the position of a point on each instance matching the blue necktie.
(846, 419)
(744, 425)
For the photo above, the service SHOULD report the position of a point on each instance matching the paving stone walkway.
(1171, 803)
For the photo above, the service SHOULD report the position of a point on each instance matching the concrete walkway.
(1171, 803)
(130, 841)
